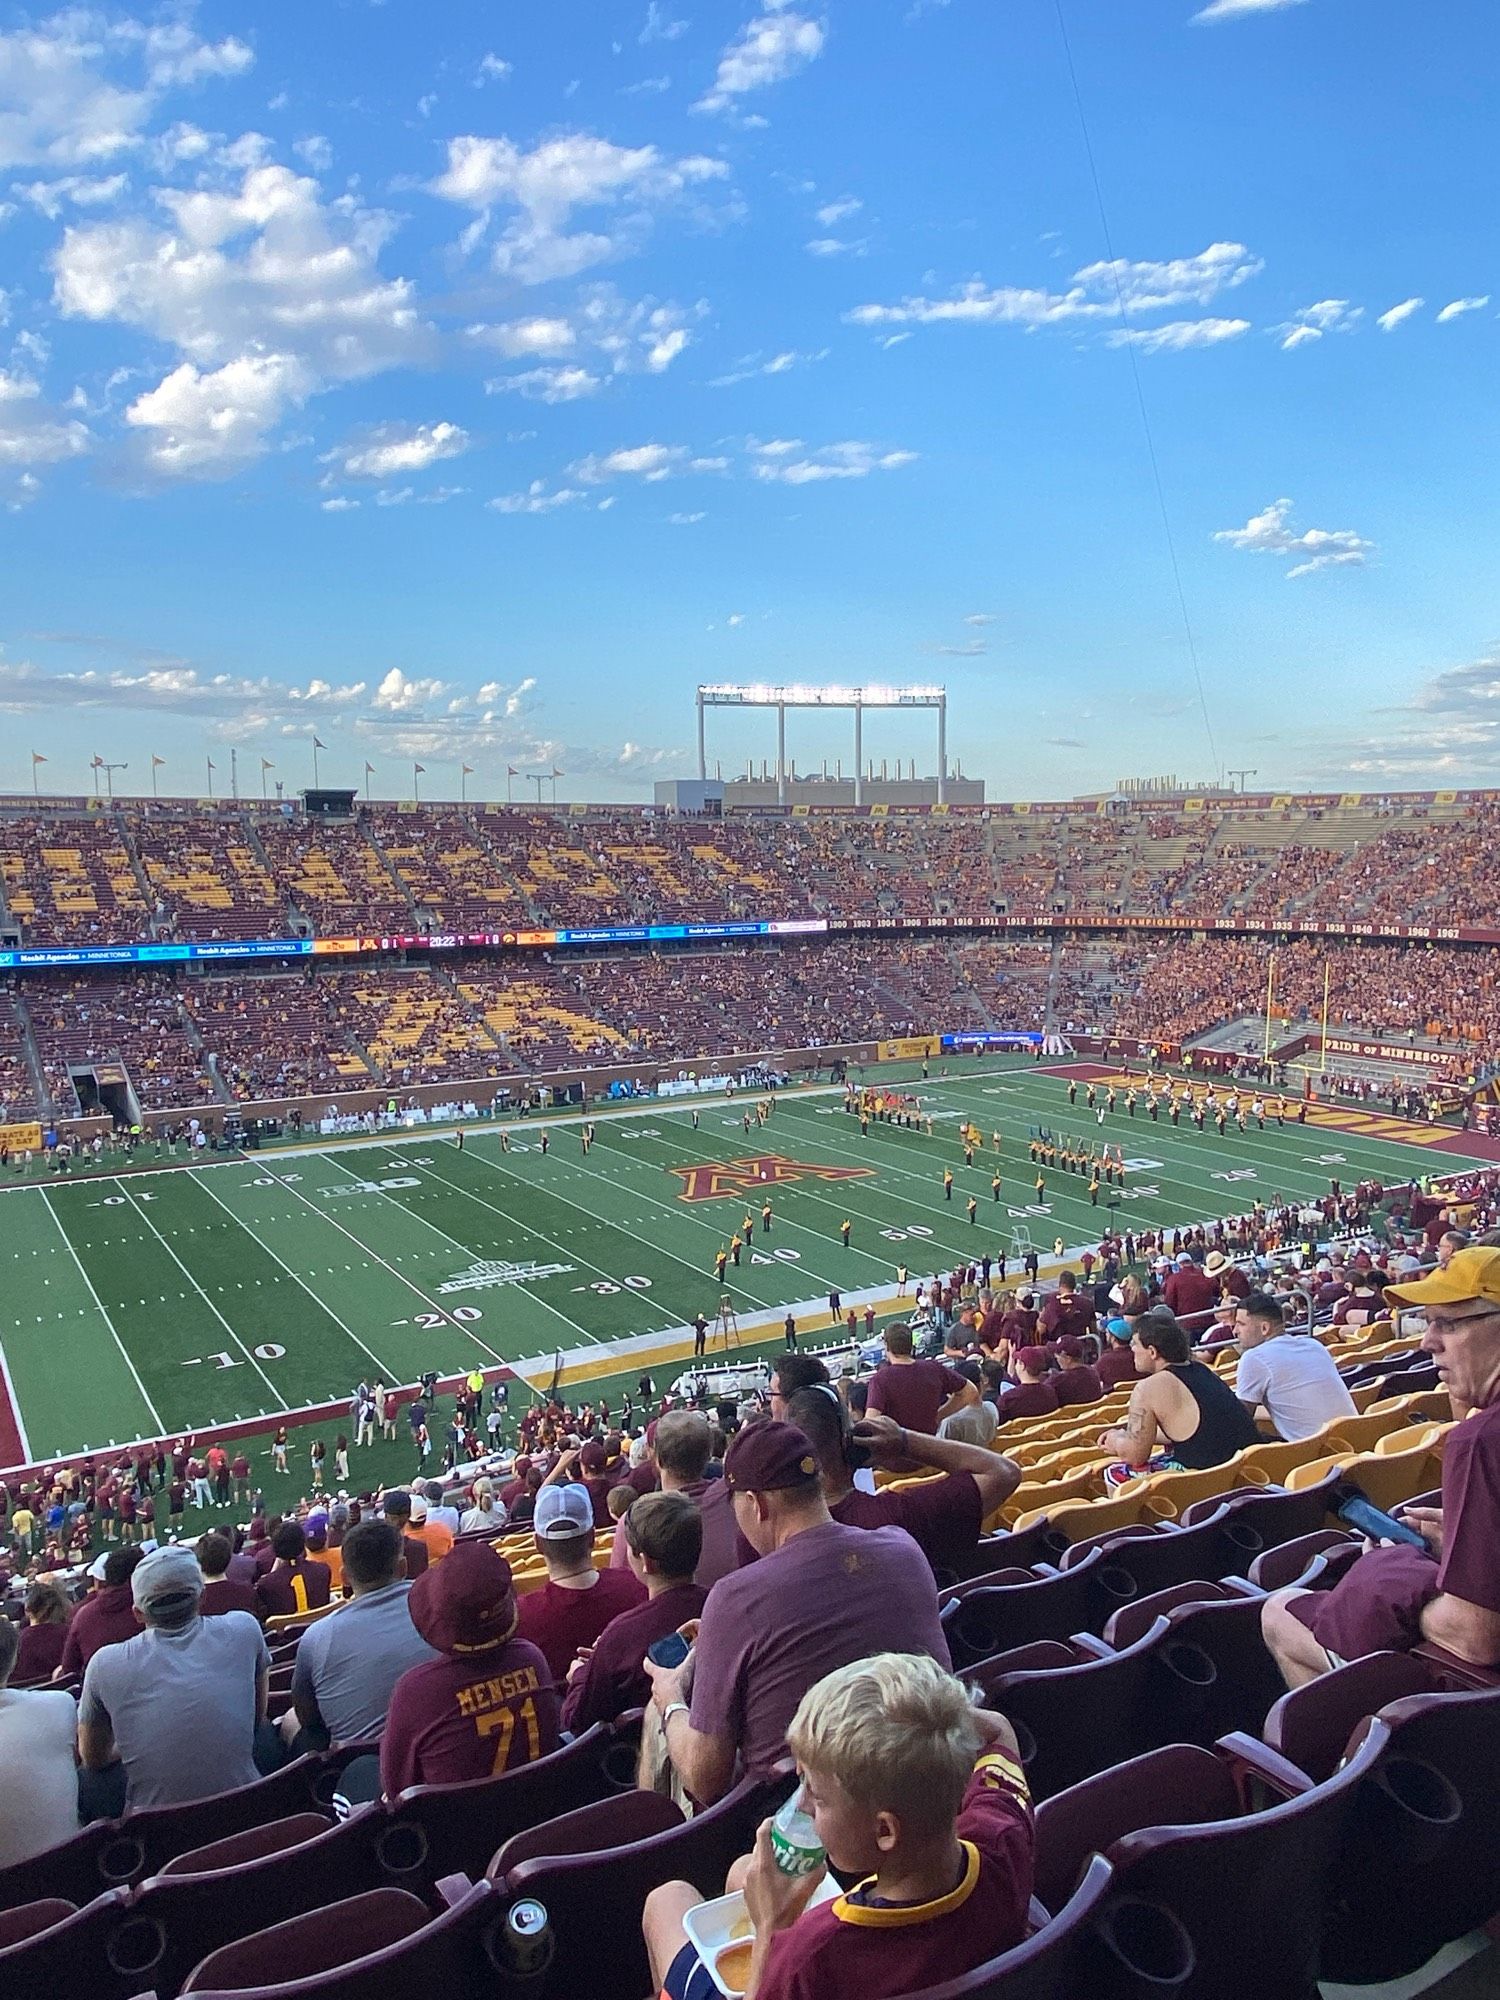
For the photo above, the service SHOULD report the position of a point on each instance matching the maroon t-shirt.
(40, 1652)
(830, 1595)
(854, 1946)
(1114, 1366)
(474, 1716)
(942, 1516)
(1077, 1385)
(1028, 1399)
(224, 1593)
(559, 1621)
(911, 1393)
(615, 1679)
(1067, 1312)
(1192, 1296)
(105, 1619)
(721, 1550)
(1471, 1510)
(1018, 1325)
(290, 1587)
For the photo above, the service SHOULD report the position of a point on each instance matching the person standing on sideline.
(700, 1335)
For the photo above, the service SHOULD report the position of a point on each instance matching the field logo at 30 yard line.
(490, 1271)
(739, 1177)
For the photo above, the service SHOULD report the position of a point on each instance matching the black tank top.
(1225, 1426)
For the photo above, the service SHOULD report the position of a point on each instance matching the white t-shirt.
(1298, 1381)
(38, 1772)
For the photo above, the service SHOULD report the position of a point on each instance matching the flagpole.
(36, 789)
(315, 763)
(416, 789)
(1270, 986)
(210, 763)
(510, 776)
(155, 761)
(369, 771)
(234, 774)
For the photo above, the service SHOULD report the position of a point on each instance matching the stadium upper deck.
(217, 873)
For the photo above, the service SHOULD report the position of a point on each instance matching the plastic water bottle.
(794, 1838)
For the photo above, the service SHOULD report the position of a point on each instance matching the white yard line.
(322, 1304)
(271, 1386)
(15, 1406)
(99, 1303)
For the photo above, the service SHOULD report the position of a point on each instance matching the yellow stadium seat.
(1314, 1470)
(1170, 1494)
(1078, 1518)
(1435, 1404)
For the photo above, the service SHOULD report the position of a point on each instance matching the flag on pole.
(319, 744)
(369, 770)
(37, 757)
(212, 765)
(157, 763)
(420, 769)
(467, 769)
(512, 770)
(266, 764)
(96, 762)
(558, 774)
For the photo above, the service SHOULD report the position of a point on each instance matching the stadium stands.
(71, 879)
(206, 876)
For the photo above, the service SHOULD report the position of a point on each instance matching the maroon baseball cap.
(467, 1602)
(593, 1457)
(770, 1457)
(1032, 1358)
(1073, 1347)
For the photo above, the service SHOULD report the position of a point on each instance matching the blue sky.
(464, 383)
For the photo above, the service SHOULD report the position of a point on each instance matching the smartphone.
(1370, 1520)
(668, 1652)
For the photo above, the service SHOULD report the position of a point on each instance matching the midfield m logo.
(742, 1177)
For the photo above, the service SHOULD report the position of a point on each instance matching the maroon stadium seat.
(309, 1951)
(1134, 1620)
(175, 1920)
(992, 1619)
(272, 1838)
(1311, 1727)
(1207, 1902)
(595, 1900)
(1049, 1964)
(1268, 1513)
(616, 1822)
(1288, 1562)
(1040, 1655)
(28, 1918)
(436, 1830)
(1421, 1865)
(70, 1957)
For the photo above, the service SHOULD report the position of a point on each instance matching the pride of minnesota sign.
(742, 1177)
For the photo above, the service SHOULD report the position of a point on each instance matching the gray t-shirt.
(181, 1706)
(349, 1662)
(1297, 1380)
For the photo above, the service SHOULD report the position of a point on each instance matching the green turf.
(143, 1305)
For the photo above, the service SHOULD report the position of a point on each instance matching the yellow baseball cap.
(1471, 1276)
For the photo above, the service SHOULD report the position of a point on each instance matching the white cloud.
(687, 520)
(767, 50)
(1234, 10)
(77, 89)
(548, 184)
(314, 151)
(226, 702)
(650, 462)
(1389, 321)
(647, 86)
(1458, 307)
(548, 385)
(836, 246)
(339, 504)
(537, 499)
(32, 433)
(659, 26)
(79, 189)
(851, 459)
(492, 69)
(751, 365)
(400, 694)
(735, 618)
(971, 649)
(268, 293)
(1145, 286)
(834, 212)
(539, 335)
(198, 424)
(1178, 334)
(391, 449)
(980, 618)
(1270, 533)
(1312, 322)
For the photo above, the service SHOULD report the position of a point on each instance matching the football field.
(153, 1302)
